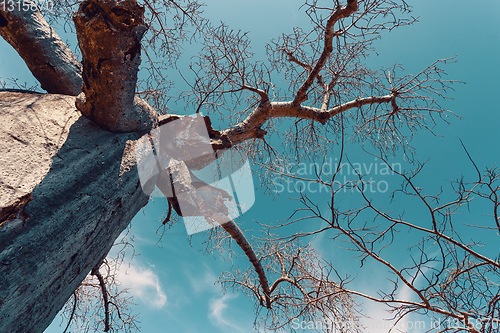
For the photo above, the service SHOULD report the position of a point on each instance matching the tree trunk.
(68, 189)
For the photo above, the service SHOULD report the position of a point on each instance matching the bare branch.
(232, 228)
(102, 284)
(352, 6)
(250, 128)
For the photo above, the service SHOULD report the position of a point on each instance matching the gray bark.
(68, 189)
(50, 61)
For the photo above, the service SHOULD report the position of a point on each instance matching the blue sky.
(173, 282)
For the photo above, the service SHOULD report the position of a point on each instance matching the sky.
(172, 281)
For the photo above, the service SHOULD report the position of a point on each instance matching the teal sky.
(173, 282)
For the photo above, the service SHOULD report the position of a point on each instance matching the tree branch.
(109, 34)
(102, 284)
(352, 6)
(72, 312)
(50, 61)
(250, 128)
(232, 229)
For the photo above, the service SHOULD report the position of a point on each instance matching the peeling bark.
(16, 210)
(109, 35)
(68, 189)
(50, 61)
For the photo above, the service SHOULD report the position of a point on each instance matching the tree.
(331, 96)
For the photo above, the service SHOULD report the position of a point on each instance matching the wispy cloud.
(381, 320)
(142, 283)
(219, 316)
(201, 281)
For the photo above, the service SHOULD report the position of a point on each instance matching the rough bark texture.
(68, 189)
(109, 35)
(48, 58)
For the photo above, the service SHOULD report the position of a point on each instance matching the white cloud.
(217, 315)
(201, 281)
(142, 283)
(380, 320)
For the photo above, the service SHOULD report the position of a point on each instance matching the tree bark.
(68, 189)
(50, 61)
(109, 35)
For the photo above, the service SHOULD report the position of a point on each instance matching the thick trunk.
(48, 58)
(109, 35)
(68, 189)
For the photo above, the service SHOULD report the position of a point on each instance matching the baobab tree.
(330, 95)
